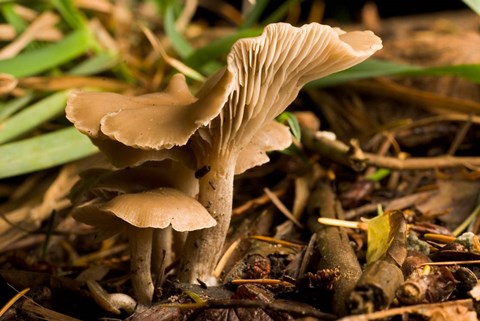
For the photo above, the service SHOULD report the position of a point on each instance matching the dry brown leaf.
(45, 22)
(7, 32)
(7, 83)
(70, 82)
(457, 198)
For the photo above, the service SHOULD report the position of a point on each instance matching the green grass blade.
(95, 65)
(12, 18)
(40, 60)
(218, 48)
(377, 68)
(44, 151)
(254, 15)
(183, 48)
(33, 116)
(70, 13)
(280, 12)
(14, 105)
(474, 5)
(469, 72)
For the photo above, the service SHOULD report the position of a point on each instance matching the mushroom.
(113, 302)
(269, 72)
(166, 119)
(106, 184)
(138, 214)
(221, 128)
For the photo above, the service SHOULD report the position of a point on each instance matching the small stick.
(261, 281)
(282, 208)
(342, 223)
(275, 241)
(12, 301)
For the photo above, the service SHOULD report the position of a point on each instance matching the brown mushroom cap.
(86, 109)
(106, 184)
(157, 208)
(122, 156)
(270, 71)
(167, 126)
(273, 136)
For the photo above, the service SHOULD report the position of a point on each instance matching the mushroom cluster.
(227, 127)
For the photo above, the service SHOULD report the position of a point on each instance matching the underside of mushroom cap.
(271, 69)
(156, 208)
(122, 156)
(106, 184)
(273, 136)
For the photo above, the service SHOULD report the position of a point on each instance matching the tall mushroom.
(138, 214)
(269, 72)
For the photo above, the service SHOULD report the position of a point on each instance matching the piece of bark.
(333, 246)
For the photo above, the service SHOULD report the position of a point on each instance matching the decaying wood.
(333, 246)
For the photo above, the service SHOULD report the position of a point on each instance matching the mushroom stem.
(162, 249)
(203, 248)
(140, 240)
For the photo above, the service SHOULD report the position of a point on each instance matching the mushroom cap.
(163, 126)
(122, 156)
(273, 136)
(270, 70)
(86, 109)
(106, 184)
(156, 208)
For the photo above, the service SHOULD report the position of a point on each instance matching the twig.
(12, 301)
(460, 136)
(281, 207)
(261, 200)
(340, 152)
(45, 313)
(275, 306)
(416, 309)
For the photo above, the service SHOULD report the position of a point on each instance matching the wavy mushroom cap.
(273, 136)
(163, 126)
(87, 109)
(157, 208)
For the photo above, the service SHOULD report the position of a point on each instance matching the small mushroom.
(114, 302)
(167, 119)
(139, 214)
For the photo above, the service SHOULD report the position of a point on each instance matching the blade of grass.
(44, 151)
(38, 61)
(254, 15)
(183, 48)
(12, 18)
(33, 116)
(376, 68)
(97, 64)
(218, 48)
(70, 13)
(280, 12)
(14, 105)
